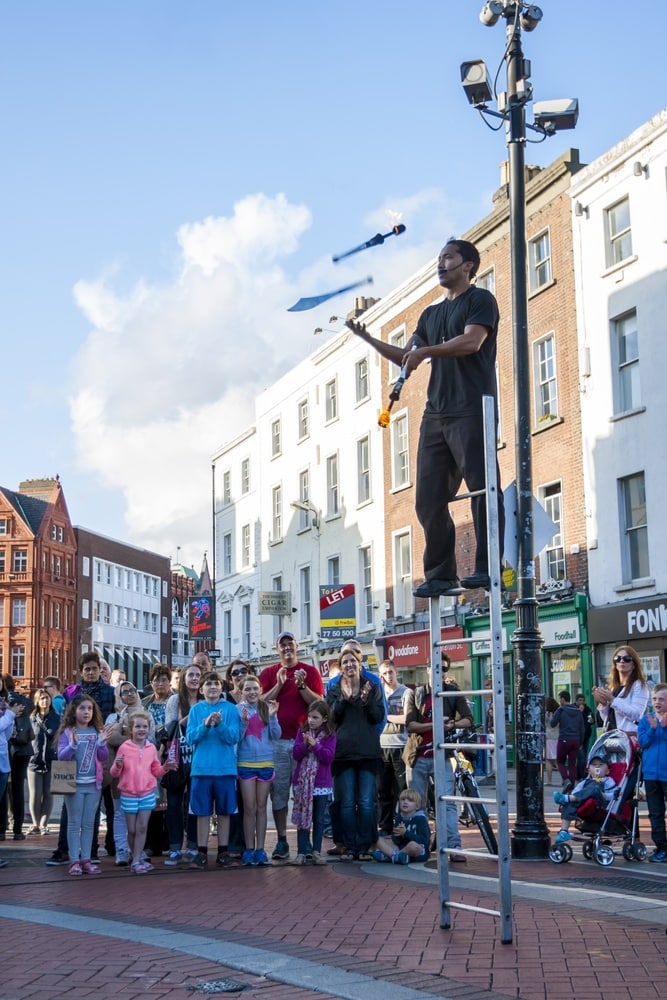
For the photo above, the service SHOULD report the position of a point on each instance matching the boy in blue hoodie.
(411, 837)
(652, 736)
(213, 730)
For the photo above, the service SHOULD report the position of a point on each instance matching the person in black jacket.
(45, 721)
(571, 730)
(20, 750)
(357, 708)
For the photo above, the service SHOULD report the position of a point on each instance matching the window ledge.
(542, 288)
(626, 413)
(333, 517)
(275, 541)
(615, 268)
(364, 503)
(641, 584)
(360, 402)
(546, 424)
(403, 486)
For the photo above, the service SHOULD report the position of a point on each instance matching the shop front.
(641, 624)
(566, 659)
(410, 652)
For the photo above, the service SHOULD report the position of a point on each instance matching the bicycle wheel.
(478, 809)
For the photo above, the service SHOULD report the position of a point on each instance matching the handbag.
(63, 777)
(179, 750)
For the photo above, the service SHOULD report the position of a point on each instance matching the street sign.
(214, 654)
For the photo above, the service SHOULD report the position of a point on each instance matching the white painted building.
(316, 444)
(237, 484)
(620, 233)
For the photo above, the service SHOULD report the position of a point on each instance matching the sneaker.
(318, 859)
(248, 858)
(122, 858)
(281, 851)
(173, 858)
(200, 861)
(300, 859)
(380, 857)
(19, 836)
(44, 830)
(261, 857)
(90, 868)
(224, 861)
(658, 856)
(190, 854)
(75, 869)
(33, 830)
(3, 863)
(400, 858)
(58, 858)
(562, 837)
(560, 799)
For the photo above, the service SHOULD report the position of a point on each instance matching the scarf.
(302, 812)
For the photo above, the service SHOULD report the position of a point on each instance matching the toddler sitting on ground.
(411, 838)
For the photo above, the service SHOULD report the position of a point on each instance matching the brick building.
(38, 580)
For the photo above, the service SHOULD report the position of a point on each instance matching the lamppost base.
(530, 845)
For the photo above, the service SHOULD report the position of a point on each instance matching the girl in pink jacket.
(137, 767)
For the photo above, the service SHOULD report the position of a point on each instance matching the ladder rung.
(471, 909)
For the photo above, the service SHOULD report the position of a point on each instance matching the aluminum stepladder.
(440, 761)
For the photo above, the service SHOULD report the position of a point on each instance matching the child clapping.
(411, 838)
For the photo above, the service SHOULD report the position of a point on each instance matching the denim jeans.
(418, 780)
(391, 782)
(303, 842)
(355, 793)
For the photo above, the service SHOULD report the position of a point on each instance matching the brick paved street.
(344, 930)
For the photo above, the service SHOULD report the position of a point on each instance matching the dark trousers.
(19, 774)
(656, 799)
(566, 759)
(451, 449)
(391, 781)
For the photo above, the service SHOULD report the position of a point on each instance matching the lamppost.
(530, 838)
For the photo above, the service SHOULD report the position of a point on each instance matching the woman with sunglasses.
(235, 675)
(623, 703)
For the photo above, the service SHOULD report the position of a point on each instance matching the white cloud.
(170, 372)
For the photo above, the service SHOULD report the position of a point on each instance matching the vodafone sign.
(414, 648)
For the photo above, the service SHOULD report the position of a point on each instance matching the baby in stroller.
(598, 786)
(610, 814)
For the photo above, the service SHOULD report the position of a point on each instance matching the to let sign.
(338, 619)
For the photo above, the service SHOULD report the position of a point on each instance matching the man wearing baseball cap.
(294, 685)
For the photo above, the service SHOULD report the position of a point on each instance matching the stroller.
(601, 829)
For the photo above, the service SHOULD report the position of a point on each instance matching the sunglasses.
(623, 659)
(239, 673)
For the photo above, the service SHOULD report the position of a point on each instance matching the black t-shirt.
(456, 385)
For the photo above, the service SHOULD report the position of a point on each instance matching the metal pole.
(530, 836)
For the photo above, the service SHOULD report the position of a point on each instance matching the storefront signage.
(561, 631)
(628, 620)
(413, 649)
(275, 602)
(482, 644)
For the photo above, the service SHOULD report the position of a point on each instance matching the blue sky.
(175, 174)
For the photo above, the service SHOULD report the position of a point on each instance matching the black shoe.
(477, 581)
(58, 858)
(436, 588)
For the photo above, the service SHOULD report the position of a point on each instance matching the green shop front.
(566, 655)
